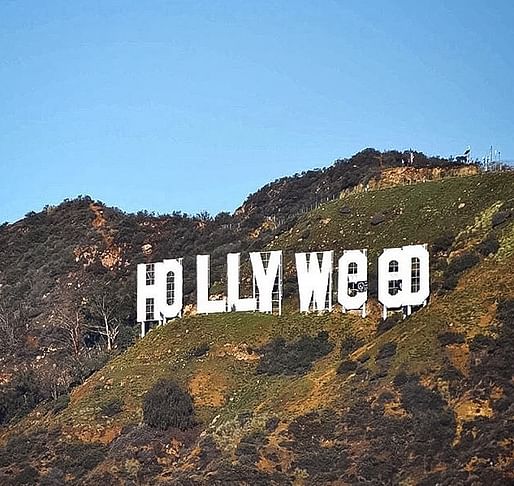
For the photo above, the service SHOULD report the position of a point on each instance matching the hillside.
(306, 399)
(58, 265)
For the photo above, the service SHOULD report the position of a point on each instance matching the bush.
(488, 246)
(19, 397)
(346, 366)
(79, 458)
(481, 343)
(112, 408)
(127, 336)
(500, 217)
(451, 338)
(377, 218)
(388, 350)
(305, 234)
(462, 263)
(28, 475)
(457, 266)
(199, 351)
(350, 344)
(449, 282)
(443, 243)
(385, 396)
(166, 406)
(282, 357)
(60, 403)
(386, 324)
(403, 378)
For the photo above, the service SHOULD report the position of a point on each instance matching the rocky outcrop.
(400, 176)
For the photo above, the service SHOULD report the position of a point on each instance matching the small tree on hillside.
(13, 324)
(71, 321)
(104, 312)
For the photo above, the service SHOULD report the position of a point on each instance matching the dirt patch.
(98, 434)
(469, 409)
(208, 389)
(458, 354)
(488, 317)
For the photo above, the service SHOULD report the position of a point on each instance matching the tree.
(13, 324)
(54, 380)
(104, 312)
(70, 319)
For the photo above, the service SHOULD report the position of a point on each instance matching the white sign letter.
(159, 290)
(265, 278)
(315, 281)
(203, 304)
(352, 284)
(234, 302)
(403, 277)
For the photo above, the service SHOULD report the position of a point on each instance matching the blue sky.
(192, 105)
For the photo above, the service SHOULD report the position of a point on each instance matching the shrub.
(450, 373)
(386, 324)
(346, 366)
(19, 397)
(456, 267)
(377, 218)
(305, 234)
(451, 338)
(127, 336)
(166, 406)
(500, 217)
(388, 350)
(199, 351)
(449, 282)
(403, 378)
(385, 396)
(282, 357)
(272, 424)
(481, 343)
(79, 458)
(60, 403)
(350, 344)
(28, 475)
(488, 246)
(86, 366)
(290, 286)
(443, 243)
(112, 408)
(462, 263)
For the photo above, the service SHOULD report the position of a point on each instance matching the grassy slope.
(224, 382)
(414, 214)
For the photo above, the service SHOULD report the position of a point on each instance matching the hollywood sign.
(403, 283)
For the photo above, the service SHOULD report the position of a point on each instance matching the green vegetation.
(309, 399)
(280, 357)
(166, 406)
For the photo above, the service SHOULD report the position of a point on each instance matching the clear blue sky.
(191, 105)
